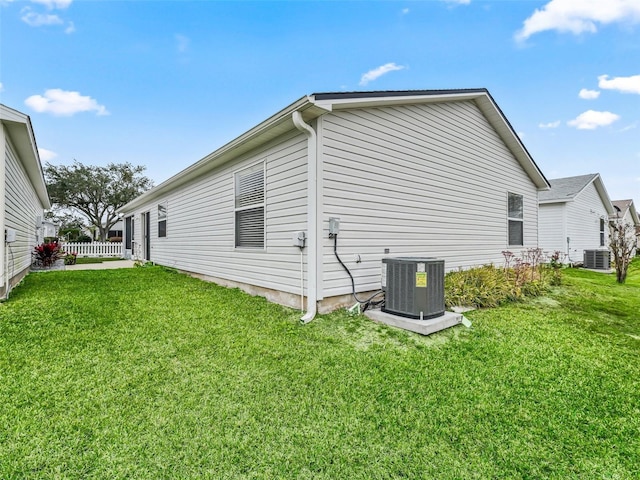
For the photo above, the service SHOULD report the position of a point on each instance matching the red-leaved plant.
(46, 254)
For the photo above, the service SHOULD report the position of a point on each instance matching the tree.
(69, 223)
(96, 192)
(623, 244)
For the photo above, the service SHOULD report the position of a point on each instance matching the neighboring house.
(625, 212)
(49, 229)
(574, 216)
(116, 230)
(23, 197)
(437, 173)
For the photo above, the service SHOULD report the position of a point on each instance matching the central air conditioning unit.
(413, 286)
(597, 259)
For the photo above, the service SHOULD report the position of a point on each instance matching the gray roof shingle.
(565, 189)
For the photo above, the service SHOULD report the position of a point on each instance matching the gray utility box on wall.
(597, 259)
(413, 286)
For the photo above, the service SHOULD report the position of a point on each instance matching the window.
(162, 220)
(602, 232)
(249, 207)
(516, 219)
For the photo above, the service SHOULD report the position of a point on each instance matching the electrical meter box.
(9, 235)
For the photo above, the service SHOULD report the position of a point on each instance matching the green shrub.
(84, 239)
(490, 286)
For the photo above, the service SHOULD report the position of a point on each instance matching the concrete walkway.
(102, 266)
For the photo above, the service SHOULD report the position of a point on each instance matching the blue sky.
(164, 83)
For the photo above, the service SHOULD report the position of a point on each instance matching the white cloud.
(182, 42)
(64, 103)
(589, 94)
(1, 87)
(404, 11)
(622, 84)
(629, 127)
(461, 2)
(37, 19)
(53, 4)
(46, 155)
(34, 19)
(374, 74)
(579, 16)
(591, 120)
(555, 124)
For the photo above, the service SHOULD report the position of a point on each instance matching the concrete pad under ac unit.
(423, 327)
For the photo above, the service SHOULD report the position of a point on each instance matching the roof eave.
(273, 126)
(20, 132)
(312, 106)
(555, 200)
(604, 196)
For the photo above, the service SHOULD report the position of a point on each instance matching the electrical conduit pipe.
(312, 191)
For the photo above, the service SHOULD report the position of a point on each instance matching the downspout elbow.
(312, 261)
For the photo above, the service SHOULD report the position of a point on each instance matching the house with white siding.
(435, 173)
(23, 197)
(626, 213)
(574, 216)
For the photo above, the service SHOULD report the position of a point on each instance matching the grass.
(146, 373)
(86, 260)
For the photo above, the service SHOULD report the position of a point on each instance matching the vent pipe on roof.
(312, 235)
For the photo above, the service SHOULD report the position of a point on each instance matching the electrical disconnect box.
(299, 239)
(9, 235)
(334, 226)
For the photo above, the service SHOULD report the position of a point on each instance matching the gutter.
(312, 234)
(3, 192)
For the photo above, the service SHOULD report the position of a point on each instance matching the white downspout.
(3, 195)
(312, 189)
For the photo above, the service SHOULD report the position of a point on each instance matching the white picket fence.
(94, 249)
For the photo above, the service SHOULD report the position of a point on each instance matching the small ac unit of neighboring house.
(597, 259)
(414, 287)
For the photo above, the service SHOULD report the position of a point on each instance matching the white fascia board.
(499, 122)
(382, 101)
(272, 127)
(604, 196)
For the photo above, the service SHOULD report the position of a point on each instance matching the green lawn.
(86, 260)
(146, 373)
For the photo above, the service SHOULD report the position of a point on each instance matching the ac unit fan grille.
(414, 287)
(597, 259)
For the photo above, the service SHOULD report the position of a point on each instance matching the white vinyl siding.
(428, 180)
(22, 208)
(202, 212)
(553, 228)
(583, 222)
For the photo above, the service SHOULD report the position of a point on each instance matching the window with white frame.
(516, 219)
(602, 234)
(249, 207)
(162, 220)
